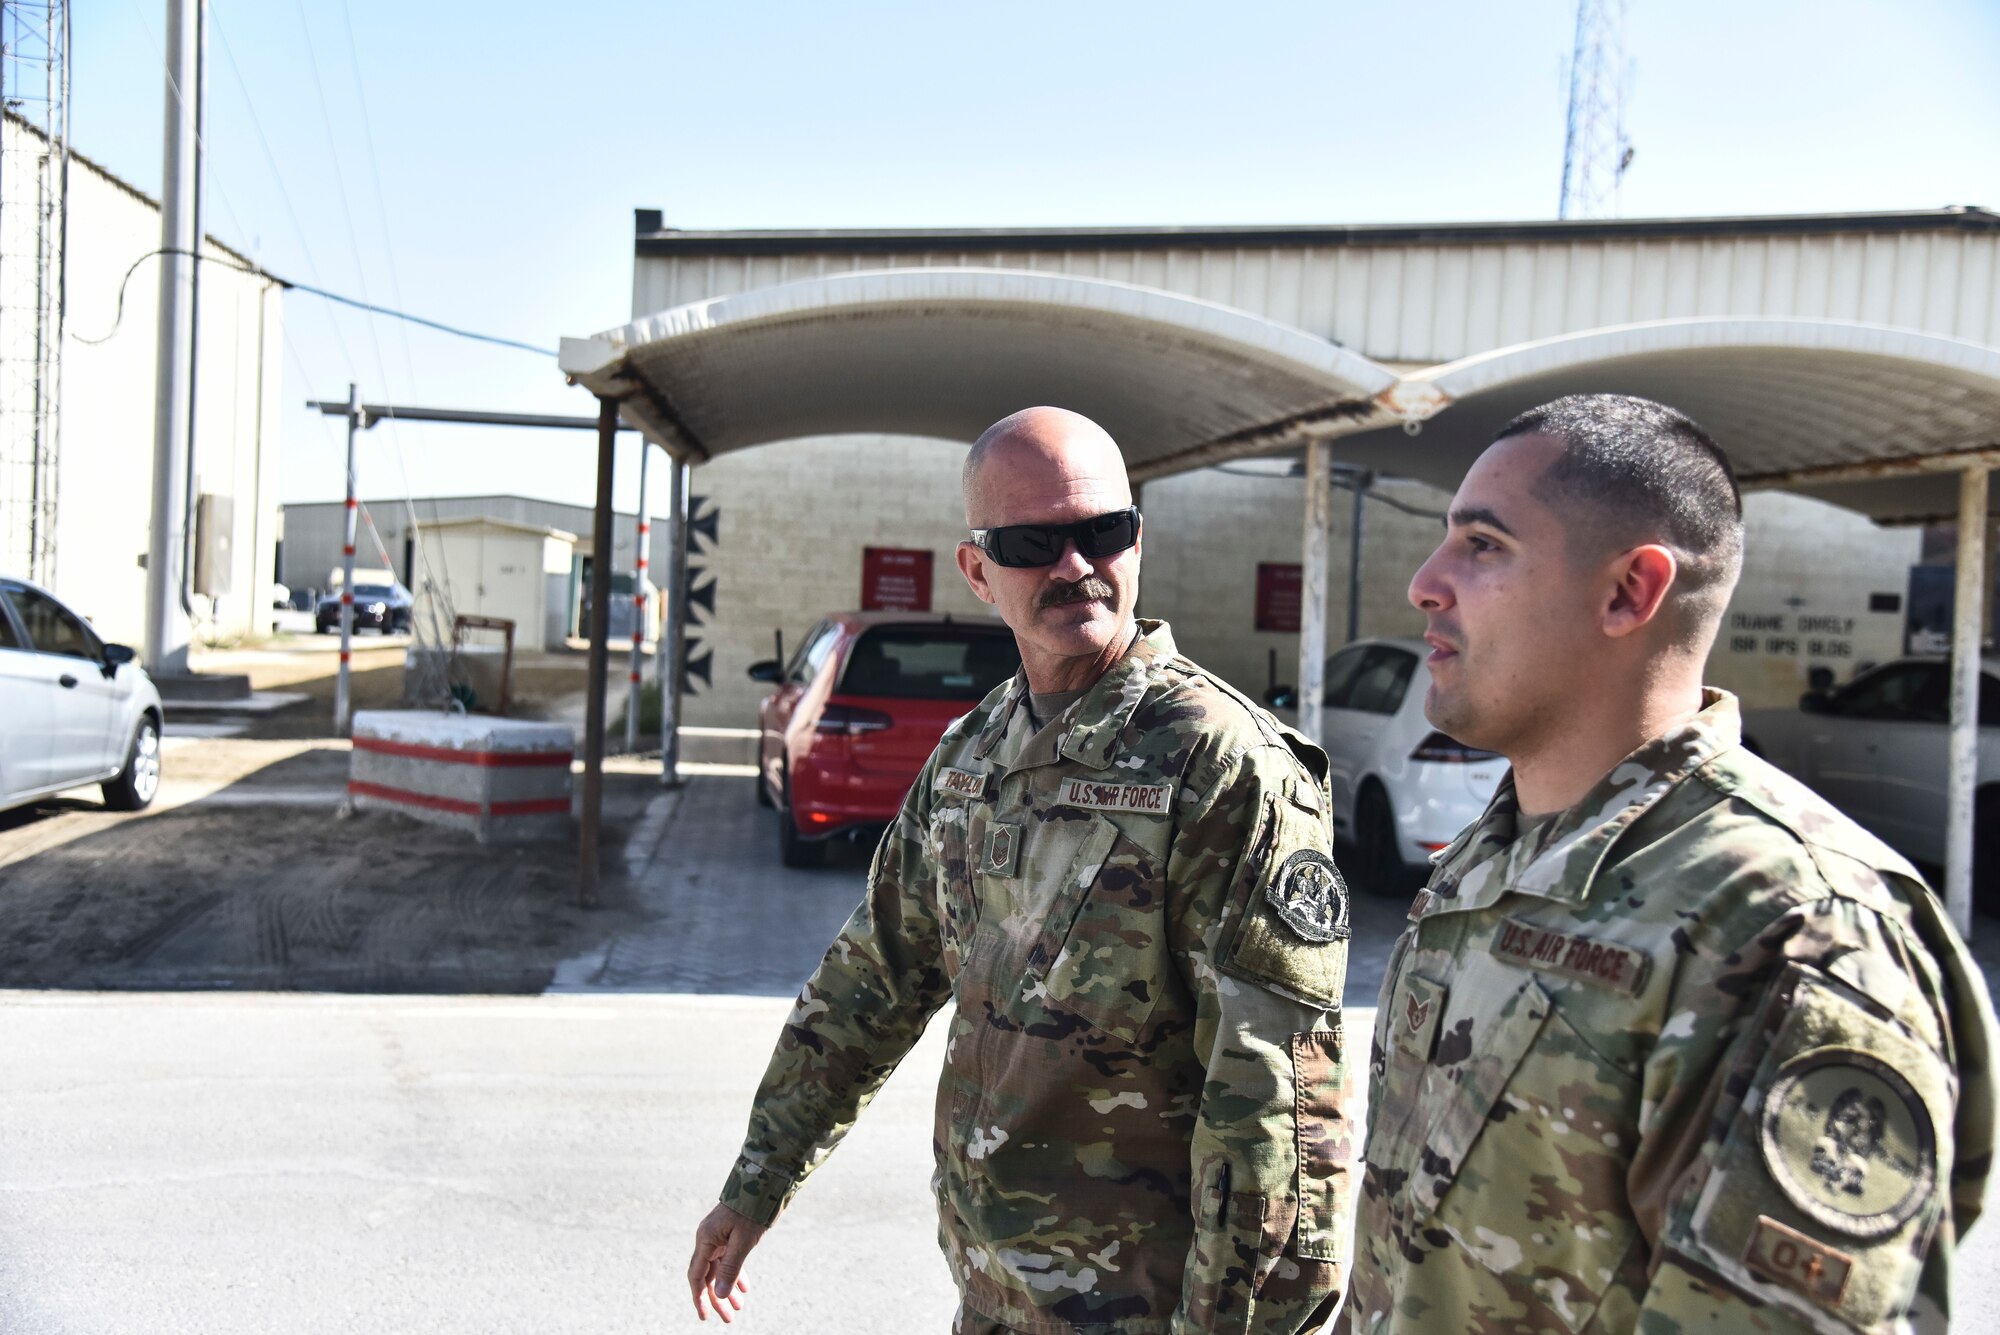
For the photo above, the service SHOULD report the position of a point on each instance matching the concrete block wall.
(793, 520)
(1206, 533)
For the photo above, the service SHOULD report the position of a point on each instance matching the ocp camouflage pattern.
(1696, 1054)
(1141, 1124)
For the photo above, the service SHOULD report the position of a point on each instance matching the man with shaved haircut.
(1117, 868)
(1669, 1044)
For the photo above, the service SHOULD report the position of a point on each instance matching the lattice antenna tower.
(1596, 150)
(34, 214)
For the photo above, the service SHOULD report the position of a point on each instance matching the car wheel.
(1986, 851)
(793, 850)
(1377, 863)
(139, 782)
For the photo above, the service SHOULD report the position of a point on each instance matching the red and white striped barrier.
(505, 780)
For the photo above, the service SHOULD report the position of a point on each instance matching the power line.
(309, 289)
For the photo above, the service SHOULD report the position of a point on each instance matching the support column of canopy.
(673, 636)
(599, 631)
(1317, 542)
(642, 543)
(1967, 628)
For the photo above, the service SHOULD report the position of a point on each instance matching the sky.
(479, 164)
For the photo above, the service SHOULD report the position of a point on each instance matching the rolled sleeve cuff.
(756, 1192)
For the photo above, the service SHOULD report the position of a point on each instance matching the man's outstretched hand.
(721, 1243)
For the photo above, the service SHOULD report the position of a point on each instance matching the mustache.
(1083, 590)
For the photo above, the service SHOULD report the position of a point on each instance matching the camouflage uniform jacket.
(1697, 1053)
(1140, 1122)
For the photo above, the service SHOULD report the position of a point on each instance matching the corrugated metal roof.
(653, 238)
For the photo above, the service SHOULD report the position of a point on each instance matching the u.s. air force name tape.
(1144, 799)
(1571, 955)
(959, 783)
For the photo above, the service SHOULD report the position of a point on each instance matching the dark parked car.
(383, 607)
(858, 710)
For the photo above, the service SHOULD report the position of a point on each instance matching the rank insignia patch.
(1308, 894)
(1003, 850)
(1849, 1141)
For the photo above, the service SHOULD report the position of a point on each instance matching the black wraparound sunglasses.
(1022, 545)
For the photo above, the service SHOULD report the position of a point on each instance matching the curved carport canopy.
(1896, 424)
(945, 352)
(1877, 420)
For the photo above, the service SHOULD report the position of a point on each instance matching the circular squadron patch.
(1849, 1141)
(1309, 895)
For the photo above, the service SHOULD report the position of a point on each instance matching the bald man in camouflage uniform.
(1669, 1044)
(1118, 870)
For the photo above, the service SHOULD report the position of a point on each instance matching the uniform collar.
(1097, 721)
(1561, 858)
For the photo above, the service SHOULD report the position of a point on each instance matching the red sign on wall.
(894, 579)
(1278, 596)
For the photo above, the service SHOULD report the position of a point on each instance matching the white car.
(1875, 748)
(1402, 790)
(73, 709)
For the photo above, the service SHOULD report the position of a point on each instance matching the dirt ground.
(248, 874)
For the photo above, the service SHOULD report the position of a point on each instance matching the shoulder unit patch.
(1849, 1141)
(1309, 895)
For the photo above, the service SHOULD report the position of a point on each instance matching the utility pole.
(166, 622)
(1362, 480)
(343, 700)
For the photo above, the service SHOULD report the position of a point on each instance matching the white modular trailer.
(493, 568)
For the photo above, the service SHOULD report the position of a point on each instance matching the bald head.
(1046, 454)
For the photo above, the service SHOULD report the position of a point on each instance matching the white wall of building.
(104, 479)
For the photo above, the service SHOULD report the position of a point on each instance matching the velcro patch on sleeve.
(1831, 1171)
(1787, 1256)
(1289, 926)
(959, 783)
(1571, 955)
(1142, 799)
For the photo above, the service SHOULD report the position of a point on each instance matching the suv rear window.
(929, 663)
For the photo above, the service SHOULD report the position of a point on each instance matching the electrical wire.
(310, 289)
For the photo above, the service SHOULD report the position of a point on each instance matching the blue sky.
(480, 164)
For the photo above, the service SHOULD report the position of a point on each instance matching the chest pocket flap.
(1102, 953)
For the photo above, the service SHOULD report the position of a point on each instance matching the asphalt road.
(309, 1164)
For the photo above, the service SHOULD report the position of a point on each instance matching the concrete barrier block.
(502, 780)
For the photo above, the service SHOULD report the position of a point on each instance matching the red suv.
(859, 708)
